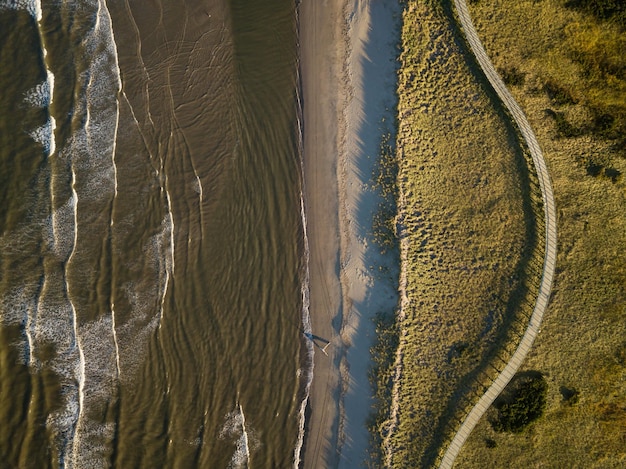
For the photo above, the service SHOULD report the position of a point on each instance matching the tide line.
(244, 436)
(169, 262)
(107, 20)
(305, 286)
(50, 127)
(77, 342)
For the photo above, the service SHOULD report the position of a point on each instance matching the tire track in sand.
(551, 238)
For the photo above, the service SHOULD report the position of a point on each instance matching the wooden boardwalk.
(550, 249)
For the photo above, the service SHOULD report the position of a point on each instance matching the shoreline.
(348, 52)
(319, 31)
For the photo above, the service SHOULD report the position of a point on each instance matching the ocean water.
(153, 255)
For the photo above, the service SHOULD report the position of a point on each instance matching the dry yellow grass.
(582, 346)
(471, 237)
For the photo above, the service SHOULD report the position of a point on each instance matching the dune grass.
(470, 228)
(567, 70)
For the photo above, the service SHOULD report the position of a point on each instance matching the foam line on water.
(108, 21)
(306, 327)
(305, 286)
(168, 230)
(236, 430)
(200, 200)
(201, 192)
(30, 324)
(77, 343)
(117, 347)
(15, 307)
(244, 437)
(33, 7)
(168, 252)
(171, 230)
(37, 10)
(49, 142)
(49, 81)
(92, 161)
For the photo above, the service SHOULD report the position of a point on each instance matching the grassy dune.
(469, 212)
(567, 69)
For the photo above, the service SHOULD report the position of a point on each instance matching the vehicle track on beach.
(549, 264)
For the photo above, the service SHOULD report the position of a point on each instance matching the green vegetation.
(384, 182)
(614, 10)
(385, 177)
(381, 379)
(520, 404)
(574, 94)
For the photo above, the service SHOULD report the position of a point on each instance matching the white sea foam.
(94, 359)
(61, 422)
(80, 363)
(134, 334)
(169, 228)
(40, 95)
(306, 327)
(90, 445)
(52, 141)
(16, 309)
(305, 289)
(145, 296)
(62, 224)
(35, 9)
(199, 189)
(236, 430)
(54, 326)
(160, 249)
(86, 355)
(245, 440)
(13, 310)
(116, 343)
(45, 320)
(32, 6)
(43, 135)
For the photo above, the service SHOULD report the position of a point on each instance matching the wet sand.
(321, 64)
(348, 65)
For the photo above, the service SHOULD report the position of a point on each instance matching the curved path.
(550, 257)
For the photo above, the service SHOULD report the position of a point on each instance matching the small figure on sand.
(315, 339)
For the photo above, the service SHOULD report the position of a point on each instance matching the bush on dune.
(521, 404)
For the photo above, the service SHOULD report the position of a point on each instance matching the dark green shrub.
(570, 395)
(522, 403)
(384, 181)
(558, 94)
(489, 443)
(613, 174)
(512, 76)
(601, 9)
(563, 128)
(381, 375)
(594, 169)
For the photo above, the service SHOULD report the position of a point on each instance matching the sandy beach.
(348, 75)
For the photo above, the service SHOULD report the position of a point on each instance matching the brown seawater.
(152, 243)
